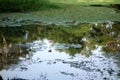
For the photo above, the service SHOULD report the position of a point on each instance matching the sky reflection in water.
(40, 64)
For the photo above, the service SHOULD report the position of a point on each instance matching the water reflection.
(50, 52)
(59, 65)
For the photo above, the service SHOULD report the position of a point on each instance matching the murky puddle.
(61, 58)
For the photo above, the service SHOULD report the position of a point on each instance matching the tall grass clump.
(23, 5)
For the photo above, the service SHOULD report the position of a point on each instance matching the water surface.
(61, 54)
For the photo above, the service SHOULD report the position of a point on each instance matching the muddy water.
(62, 54)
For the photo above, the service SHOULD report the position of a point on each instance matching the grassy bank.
(24, 5)
(66, 15)
(30, 5)
(87, 2)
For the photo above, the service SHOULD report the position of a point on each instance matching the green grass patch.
(87, 2)
(65, 15)
(24, 5)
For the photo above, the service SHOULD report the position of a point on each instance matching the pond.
(88, 51)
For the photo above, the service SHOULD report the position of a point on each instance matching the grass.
(30, 5)
(87, 2)
(63, 15)
(24, 5)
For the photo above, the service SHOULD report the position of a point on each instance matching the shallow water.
(44, 65)
(46, 59)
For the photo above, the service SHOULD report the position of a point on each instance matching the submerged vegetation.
(105, 34)
(81, 39)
